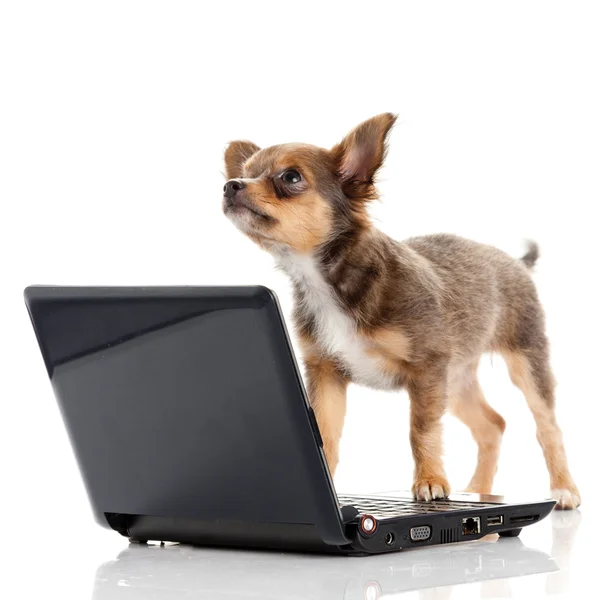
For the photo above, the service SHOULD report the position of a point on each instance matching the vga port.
(420, 534)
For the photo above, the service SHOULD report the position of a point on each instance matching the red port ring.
(368, 524)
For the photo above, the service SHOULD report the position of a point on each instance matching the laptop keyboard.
(386, 508)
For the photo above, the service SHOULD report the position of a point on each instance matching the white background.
(113, 121)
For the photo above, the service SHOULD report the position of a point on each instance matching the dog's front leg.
(428, 399)
(327, 396)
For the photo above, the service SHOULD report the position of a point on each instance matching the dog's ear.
(236, 154)
(362, 151)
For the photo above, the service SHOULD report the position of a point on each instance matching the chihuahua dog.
(389, 315)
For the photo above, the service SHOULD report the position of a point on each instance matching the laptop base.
(435, 523)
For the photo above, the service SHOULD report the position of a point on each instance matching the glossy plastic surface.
(185, 402)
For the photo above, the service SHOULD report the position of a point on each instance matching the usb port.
(495, 521)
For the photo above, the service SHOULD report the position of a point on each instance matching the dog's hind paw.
(431, 488)
(566, 499)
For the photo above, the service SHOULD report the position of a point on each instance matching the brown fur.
(393, 344)
(467, 403)
(327, 391)
(424, 309)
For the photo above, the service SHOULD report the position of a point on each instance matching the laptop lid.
(185, 402)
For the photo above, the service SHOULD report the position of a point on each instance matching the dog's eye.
(291, 176)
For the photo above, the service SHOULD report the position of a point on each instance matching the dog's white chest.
(336, 332)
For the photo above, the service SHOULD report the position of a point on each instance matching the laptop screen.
(183, 402)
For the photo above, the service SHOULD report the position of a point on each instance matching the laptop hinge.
(349, 514)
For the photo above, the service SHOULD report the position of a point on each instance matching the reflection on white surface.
(177, 571)
(564, 534)
(182, 571)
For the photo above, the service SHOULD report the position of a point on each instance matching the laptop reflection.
(178, 571)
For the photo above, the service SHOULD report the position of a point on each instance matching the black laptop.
(190, 423)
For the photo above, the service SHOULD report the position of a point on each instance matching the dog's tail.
(531, 256)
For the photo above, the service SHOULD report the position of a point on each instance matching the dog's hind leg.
(468, 404)
(530, 371)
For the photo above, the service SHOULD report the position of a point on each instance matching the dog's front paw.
(566, 498)
(430, 488)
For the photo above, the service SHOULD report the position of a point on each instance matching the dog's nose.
(233, 186)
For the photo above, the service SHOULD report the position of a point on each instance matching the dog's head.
(299, 196)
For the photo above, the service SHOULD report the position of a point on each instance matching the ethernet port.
(471, 526)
